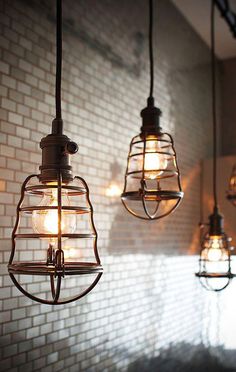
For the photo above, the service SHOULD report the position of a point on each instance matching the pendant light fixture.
(231, 193)
(53, 209)
(152, 186)
(214, 263)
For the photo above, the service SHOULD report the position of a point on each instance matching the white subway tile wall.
(148, 298)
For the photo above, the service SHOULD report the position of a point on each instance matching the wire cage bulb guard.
(54, 238)
(231, 193)
(215, 256)
(152, 187)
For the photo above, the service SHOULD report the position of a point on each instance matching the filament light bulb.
(154, 161)
(46, 221)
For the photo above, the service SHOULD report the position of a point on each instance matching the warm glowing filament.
(45, 221)
(153, 161)
(51, 219)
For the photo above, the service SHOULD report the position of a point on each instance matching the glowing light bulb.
(154, 161)
(215, 250)
(233, 182)
(46, 221)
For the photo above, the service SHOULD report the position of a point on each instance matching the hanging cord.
(57, 124)
(151, 46)
(58, 60)
(213, 78)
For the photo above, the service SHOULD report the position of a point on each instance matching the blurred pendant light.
(231, 193)
(152, 186)
(214, 263)
(53, 201)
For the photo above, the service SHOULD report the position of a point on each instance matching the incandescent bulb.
(214, 250)
(154, 161)
(46, 221)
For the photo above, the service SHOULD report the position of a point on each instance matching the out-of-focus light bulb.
(215, 249)
(113, 190)
(46, 221)
(232, 182)
(154, 161)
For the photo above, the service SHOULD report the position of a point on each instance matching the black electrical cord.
(58, 59)
(213, 79)
(151, 46)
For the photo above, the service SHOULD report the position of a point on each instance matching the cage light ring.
(170, 173)
(78, 210)
(73, 190)
(207, 260)
(46, 236)
(157, 139)
(153, 152)
(162, 146)
(162, 194)
(40, 268)
(205, 274)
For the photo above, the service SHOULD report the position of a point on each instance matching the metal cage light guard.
(152, 187)
(54, 220)
(231, 193)
(215, 257)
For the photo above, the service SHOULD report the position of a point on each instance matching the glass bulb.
(154, 161)
(214, 249)
(46, 221)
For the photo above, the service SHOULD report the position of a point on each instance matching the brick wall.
(146, 300)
